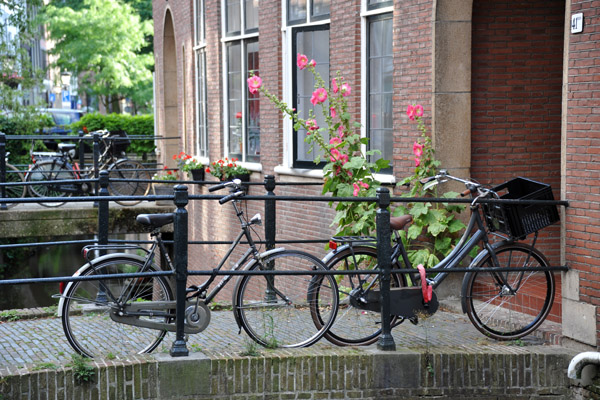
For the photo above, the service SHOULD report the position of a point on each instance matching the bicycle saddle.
(155, 220)
(397, 223)
(66, 147)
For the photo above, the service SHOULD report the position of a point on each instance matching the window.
(242, 108)
(200, 61)
(298, 11)
(313, 41)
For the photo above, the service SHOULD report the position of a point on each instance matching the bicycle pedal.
(414, 320)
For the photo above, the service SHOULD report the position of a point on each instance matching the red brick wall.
(582, 148)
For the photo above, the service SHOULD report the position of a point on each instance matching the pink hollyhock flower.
(418, 149)
(301, 61)
(238, 115)
(335, 141)
(254, 83)
(312, 63)
(334, 86)
(333, 112)
(344, 158)
(410, 111)
(341, 131)
(318, 96)
(345, 89)
(417, 162)
(365, 185)
(312, 126)
(356, 189)
(418, 110)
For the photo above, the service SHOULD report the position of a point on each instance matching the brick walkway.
(31, 343)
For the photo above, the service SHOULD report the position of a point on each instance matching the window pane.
(320, 8)
(234, 95)
(253, 108)
(378, 3)
(199, 21)
(380, 86)
(233, 17)
(296, 10)
(315, 45)
(251, 17)
(201, 106)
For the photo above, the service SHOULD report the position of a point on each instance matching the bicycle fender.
(333, 253)
(476, 260)
(89, 265)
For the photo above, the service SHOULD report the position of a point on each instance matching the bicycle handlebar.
(231, 196)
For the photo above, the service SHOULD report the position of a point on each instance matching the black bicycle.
(58, 175)
(125, 315)
(503, 305)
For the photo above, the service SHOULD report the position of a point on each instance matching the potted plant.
(11, 80)
(163, 185)
(191, 165)
(226, 170)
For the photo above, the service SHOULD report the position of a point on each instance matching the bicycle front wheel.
(509, 305)
(89, 309)
(13, 175)
(48, 171)
(125, 178)
(354, 326)
(275, 310)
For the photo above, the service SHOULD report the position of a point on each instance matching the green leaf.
(455, 225)
(443, 244)
(414, 231)
(420, 209)
(436, 228)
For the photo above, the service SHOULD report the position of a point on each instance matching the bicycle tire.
(503, 313)
(86, 315)
(132, 172)
(275, 311)
(44, 171)
(14, 175)
(355, 326)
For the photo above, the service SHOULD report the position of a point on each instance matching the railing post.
(384, 254)
(81, 150)
(103, 219)
(3, 206)
(180, 238)
(270, 223)
(96, 151)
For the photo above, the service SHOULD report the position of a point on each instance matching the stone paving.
(31, 343)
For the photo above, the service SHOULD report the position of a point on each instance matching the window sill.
(318, 173)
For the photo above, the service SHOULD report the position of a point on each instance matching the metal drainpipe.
(580, 361)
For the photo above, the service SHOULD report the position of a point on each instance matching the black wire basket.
(519, 220)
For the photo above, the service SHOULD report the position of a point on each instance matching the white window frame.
(364, 25)
(286, 168)
(242, 38)
(199, 50)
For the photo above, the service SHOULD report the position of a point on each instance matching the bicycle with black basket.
(502, 304)
(122, 315)
(56, 174)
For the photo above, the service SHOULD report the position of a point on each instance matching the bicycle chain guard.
(405, 302)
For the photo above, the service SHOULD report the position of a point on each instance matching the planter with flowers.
(12, 80)
(191, 165)
(163, 185)
(226, 170)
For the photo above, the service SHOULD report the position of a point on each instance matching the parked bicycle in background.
(12, 175)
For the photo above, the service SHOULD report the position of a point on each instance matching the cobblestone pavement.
(28, 343)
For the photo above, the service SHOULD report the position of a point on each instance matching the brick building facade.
(507, 90)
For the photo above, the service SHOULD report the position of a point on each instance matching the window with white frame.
(200, 60)
(242, 108)
(308, 27)
(379, 77)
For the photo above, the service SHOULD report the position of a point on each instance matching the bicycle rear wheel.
(13, 175)
(124, 180)
(275, 310)
(88, 309)
(509, 305)
(355, 326)
(48, 171)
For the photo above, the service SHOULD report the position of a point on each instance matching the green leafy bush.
(25, 122)
(134, 125)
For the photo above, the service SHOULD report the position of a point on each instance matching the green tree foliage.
(134, 125)
(101, 41)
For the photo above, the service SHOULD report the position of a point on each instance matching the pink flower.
(418, 149)
(301, 61)
(254, 83)
(312, 63)
(335, 155)
(335, 141)
(333, 113)
(341, 131)
(410, 111)
(334, 86)
(418, 110)
(345, 89)
(318, 96)
(417, 162)
(312, 126)
(238, 115)
(356, 189)
(365, 185)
